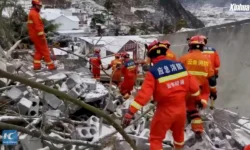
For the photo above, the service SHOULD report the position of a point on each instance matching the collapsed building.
(50, 122)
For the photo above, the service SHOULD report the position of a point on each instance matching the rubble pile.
(64, 125)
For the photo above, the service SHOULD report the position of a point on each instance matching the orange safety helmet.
(196, 40)
(166, 42)
(156, 48)
(205, 38)
(97, 51)
(36, 2)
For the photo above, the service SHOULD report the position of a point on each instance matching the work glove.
(213, 95)
(201, 104)
(127, 119)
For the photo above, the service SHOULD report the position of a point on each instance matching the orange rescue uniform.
(213, 55)
(199, 66)
(169, 83)
(95, 65)
(37, 36)
(129, 72)
(116, 71)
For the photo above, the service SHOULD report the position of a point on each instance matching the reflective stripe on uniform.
(49, 63)
(198, 73)
(204, 101)
(196, 93)
(30, 21)
(195, 121)
(212, 87)
(136, 105)
(37, 61)
(173, 77)
(208, 52)
(131, 67)
(40, 33)
(179, 143)
(217, 68)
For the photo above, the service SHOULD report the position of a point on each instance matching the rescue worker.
(199, 66)
(168, 82)
(116, 69)
(213, 55)
(170, 54)
(37, 36)
(129, 72)
(96, 64)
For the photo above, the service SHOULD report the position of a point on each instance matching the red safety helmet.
(205, 38)
(36, 2)
(97, 51)
(156, 48)
(125, 55)
(166, 42)
(196, 40)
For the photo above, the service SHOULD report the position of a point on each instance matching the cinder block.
(15, 94)
(24, 106)
(145, 133)
(131, 129)
(53, 114)
(75, 91)
(73, 107)
(94, 121)
(84, 133)
(77, 78)
(52, 100)
(140, 126)
(30, 143)
(58, 76)
(113, 105)
(34, 110)
(91, 83)
(70, 83)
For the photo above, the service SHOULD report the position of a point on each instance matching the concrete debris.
(30, 143)
(64, 120)
(52, 100)
(24, 106)
(15, 94)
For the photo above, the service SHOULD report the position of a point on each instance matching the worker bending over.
(169, 83)
(129, 72)
(116, 69)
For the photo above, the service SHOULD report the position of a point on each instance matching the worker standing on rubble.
(129, 72)
(169, 83)
(96, 64)
(116, 69)
(199, 66)
(37, 36)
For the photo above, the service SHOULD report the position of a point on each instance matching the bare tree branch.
(64, 96)
(36, 133)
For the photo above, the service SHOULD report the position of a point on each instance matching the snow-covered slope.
(213, 14)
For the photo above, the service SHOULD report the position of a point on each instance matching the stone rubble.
(83, 125)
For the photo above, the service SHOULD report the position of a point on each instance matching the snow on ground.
(185, 29)
(133, 9)
(212, 15)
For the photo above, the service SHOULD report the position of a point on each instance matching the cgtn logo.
(239, 7)
(10, 137)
